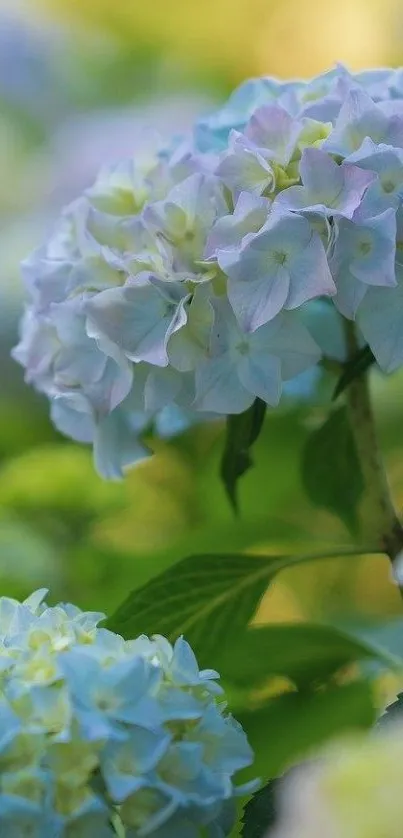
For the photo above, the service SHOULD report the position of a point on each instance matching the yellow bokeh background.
(246, 37)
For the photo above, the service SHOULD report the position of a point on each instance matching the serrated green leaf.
(207, 598)
(331, 471)
(353, 368)
(288, 728)
(303, 652)
(243, 430)
(202, 597)
(260, 812)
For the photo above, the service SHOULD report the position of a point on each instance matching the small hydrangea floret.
(185, 284)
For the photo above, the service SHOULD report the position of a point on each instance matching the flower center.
(280, 257)
(364, 248)
(388, 186)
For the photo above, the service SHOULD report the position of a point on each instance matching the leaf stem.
(379, 518)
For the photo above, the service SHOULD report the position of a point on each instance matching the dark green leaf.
(243, 430)
(331, 470)
(287, 728)
(305, 653)
(353, 368)
(260, 812)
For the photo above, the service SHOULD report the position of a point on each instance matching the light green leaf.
(331, 470)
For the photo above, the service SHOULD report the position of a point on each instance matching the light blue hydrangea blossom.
(96, 730)
(191, 282)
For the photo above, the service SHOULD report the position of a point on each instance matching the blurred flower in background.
(351, 788)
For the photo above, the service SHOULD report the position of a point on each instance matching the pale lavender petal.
(139, 319)
(359, 117)
(320, 174)
(116, 445)
(310, 275)
(260, 374)
(380, 318)
(259, 300)
(72, 416)
(246, 168)
(272, 128)
(350, 293)
(249, 215)
(375, 262)
(327, 188)
(161, 388)
(218, 388)
(290, 340)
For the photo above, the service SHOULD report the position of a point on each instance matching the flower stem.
(379, 518)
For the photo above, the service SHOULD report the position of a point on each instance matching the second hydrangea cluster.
(179, 286)
(102, 737)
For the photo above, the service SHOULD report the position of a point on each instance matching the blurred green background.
(80, 80)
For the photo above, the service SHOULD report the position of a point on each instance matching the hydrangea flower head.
(182, 285)
(96, 730)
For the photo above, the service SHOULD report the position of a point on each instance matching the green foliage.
(212, 599)
(170, 506)
(203, 597)
(207, 598)
(55, 478)
(331, 470)
(287, 728)
(242, 432)
(260, 811)
(305, 653)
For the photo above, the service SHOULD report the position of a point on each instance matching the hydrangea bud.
(352, 790)
(184, 284)
(96, 730)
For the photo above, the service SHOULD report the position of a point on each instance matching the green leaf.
(202, 597)
(303, 652)
(353, 368)
(260, 812)
(243, 430)
(331, 471)
(206, 598)
(288, 728)
(385, 637)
